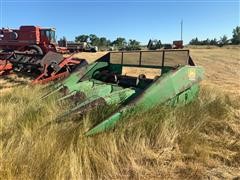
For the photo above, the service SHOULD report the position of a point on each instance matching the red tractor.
(29, 38)
(178, 44)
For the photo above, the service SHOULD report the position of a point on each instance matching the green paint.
(113, 98)
(181, 85)
(118, 97)
(174, 87)
(105, 125)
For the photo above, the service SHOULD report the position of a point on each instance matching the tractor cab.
(48, 35)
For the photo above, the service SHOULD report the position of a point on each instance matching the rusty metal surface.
(51, 57)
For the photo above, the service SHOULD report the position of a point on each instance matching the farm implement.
(44, 68)
(103, 83)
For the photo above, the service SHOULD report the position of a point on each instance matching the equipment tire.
(36, 49)
(93, 49)
(142, 76)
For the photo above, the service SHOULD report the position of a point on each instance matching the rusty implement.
(5, 67)
(104, 83)
(42, 68)
(55, 66)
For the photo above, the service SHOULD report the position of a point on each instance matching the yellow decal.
(192, 74)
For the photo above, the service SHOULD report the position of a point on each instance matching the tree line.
(224, 40)
(120, 43)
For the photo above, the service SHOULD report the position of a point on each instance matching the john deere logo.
(192, 74)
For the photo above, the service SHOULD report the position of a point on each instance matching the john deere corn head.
(103, 83)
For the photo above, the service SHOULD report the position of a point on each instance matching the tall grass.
(199, 140)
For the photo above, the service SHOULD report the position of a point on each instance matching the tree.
(109, 43)
(94, 40)
(82, 38)
(206, 42)
(103, 43)
(120, 43)
(213, 42)
(133, 45)
(236, 35)
(223, 40)
(194, 41)
(62, 42)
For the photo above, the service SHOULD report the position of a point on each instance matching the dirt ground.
(221, 69)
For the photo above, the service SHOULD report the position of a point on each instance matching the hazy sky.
(137, 19)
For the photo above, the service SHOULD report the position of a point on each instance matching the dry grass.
(221, 66)
(7, 82)
(198, 141)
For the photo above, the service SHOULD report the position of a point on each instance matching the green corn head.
(102, 83)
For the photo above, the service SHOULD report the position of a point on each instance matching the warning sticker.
(192, 74)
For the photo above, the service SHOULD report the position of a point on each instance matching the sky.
(132, 19)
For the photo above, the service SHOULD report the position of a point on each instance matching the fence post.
(140, 58)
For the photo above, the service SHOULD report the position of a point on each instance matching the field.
(198, 141)
(221, 66)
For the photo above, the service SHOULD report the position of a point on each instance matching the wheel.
(94, 49)
(35, 49)
(139, 78)
(142, 76)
